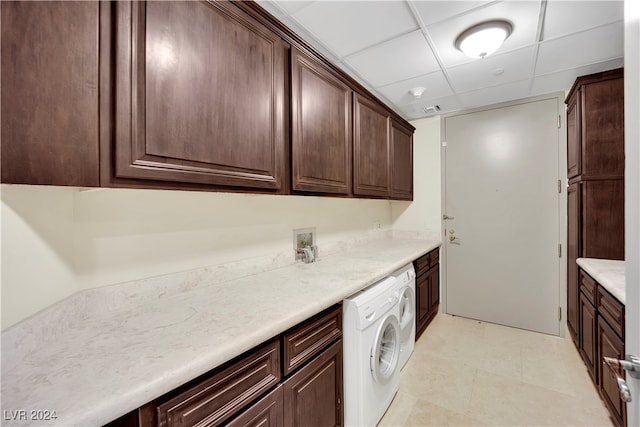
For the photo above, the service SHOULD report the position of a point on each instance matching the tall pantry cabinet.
(595, 170)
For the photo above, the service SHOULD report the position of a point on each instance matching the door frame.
(562, 203)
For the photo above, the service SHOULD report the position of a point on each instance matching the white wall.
(424, 214)
(37, 250)
(56, 240)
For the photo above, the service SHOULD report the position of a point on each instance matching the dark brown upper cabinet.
(401, 153)
(187, 95)
(321, 132)
(595, 126)
(573, 139)
(50, 93)
(370, 148)
(200, 95)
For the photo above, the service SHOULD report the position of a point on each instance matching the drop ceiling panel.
(399, 59)
(292, 6)
(522, 14)
(495, 95)
(436, 11)
(435, 83)
(577, 50)
(346, 27)
(493, 70)
(584, 15)
(563, 80)
(386, 46)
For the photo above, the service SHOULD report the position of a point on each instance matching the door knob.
(631, 365)
(446, 217)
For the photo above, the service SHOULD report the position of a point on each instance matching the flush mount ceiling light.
(417, 91)
(483, 39)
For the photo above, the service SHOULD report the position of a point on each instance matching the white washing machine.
(406, 287)
(371, 341)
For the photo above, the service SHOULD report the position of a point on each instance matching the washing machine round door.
(385, 351)
(407, 308)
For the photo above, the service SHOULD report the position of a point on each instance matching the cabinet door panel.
(610, 345)
(573, 136)
(422, 303)
(434, 291)
(313, 395)
(50, 93)
(603, 219)
(602, 133)
(401, 162)
(371, 148)
(321, 127)
(588, 337)
(573, 253)
(205, 99)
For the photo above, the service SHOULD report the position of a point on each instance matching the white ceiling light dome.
(483, 39)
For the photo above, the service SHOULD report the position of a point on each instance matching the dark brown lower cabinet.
(601, 334)
(427, 289)
(313, 395)
(295, 379)
(587, 337)
(610, 345)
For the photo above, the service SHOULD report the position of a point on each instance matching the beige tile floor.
(469, 373)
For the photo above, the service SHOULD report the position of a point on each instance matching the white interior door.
(501, 172)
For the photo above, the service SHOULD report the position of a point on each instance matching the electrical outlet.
(303, 238)
(377, 225)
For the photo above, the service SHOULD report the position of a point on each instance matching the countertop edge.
(608, 273)
(107, 410)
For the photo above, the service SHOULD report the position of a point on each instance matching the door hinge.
(559, 121)
(559, 313)
(559, 186)
(559, 250)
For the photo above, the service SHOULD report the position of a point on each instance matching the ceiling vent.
(432, 109)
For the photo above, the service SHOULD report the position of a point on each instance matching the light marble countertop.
(115, 359)
(609, 273)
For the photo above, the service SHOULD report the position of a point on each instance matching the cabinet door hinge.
(559, 121)
(559, 250)
(559, 186)
(559, 313)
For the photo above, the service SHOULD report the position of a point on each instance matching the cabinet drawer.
(267, 412)
(612, 310)
(217, 398)
(422, 265)
(434, 258)
(427, 261)
(307, 340)
(588, 287)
